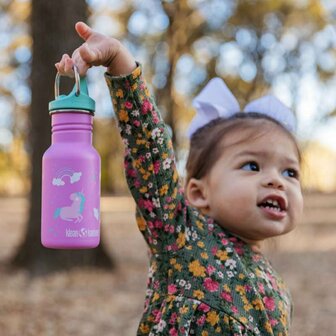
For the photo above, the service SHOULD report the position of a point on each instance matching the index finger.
(83, 30)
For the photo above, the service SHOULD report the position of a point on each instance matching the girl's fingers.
(83, 30)
(87, 54)
(68, 65)
(82, 67)
(81, 64)
(83, 57)
(64, 66)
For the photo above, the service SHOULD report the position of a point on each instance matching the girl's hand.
(97, 49)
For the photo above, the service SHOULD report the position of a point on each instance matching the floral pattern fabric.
(202, 279)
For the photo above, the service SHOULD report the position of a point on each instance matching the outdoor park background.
(286, 47)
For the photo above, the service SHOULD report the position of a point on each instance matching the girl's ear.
(196, 193)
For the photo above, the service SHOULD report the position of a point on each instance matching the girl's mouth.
(274, 207)
(273, 212)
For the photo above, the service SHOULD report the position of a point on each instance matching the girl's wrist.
(122, 71)
(122, 64)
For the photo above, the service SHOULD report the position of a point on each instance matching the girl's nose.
(273, 180)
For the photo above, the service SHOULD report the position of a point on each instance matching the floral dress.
(202, 279)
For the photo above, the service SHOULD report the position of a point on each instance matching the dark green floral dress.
(202, 279)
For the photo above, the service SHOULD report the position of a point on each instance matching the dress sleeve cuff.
(136, 73)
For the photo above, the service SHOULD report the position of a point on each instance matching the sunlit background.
(284, 47)
(293, 57)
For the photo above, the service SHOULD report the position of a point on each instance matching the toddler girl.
(207, 275)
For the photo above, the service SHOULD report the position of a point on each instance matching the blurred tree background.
(287, 47)
(284, 46)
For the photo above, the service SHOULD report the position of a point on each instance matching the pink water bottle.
(71, 173)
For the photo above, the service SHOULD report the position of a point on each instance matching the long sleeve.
(149, 162)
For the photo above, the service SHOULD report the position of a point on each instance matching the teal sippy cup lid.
(77, 99)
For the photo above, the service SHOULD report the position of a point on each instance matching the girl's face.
(253, 190)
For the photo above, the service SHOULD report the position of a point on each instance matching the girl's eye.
(253, 166)
(291, 173)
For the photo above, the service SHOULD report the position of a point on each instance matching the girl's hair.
(207, 142)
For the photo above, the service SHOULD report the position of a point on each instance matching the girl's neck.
(254, 244)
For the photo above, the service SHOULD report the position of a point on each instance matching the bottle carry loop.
(77, 100)
(57, 82)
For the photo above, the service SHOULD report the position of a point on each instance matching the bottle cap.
(77, 99)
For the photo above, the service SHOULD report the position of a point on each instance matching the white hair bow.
(216, 100)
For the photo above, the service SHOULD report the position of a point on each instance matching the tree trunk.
(185, 27)
(52, 24)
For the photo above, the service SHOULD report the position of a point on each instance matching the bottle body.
(71, 185)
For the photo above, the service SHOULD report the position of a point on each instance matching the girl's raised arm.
(149, 163)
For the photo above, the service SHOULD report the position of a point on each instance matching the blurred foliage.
(255, 45)
(15, 58)
(14, 181)
(318, 174)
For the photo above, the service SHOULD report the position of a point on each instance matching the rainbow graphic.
(65, 175)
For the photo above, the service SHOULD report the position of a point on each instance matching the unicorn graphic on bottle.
(74, 211)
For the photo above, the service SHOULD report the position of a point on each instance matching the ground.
(90, 302)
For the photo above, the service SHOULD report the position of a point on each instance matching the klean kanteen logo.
(81, 233)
